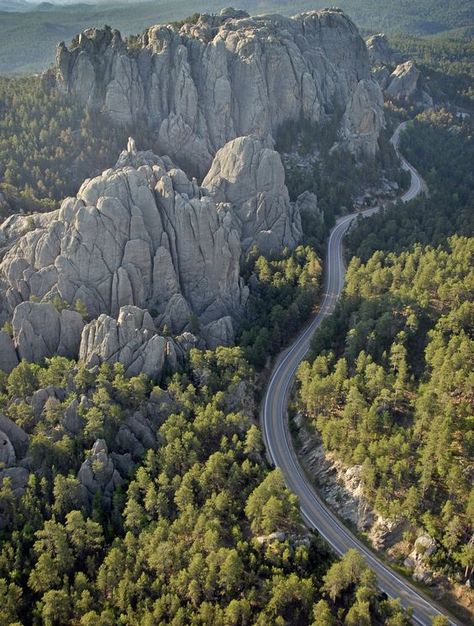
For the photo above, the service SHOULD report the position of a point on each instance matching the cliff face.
(227, 76)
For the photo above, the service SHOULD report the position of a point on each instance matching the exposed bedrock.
(142, 237)
(227, 76)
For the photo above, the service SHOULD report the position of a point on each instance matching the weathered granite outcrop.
(307, 206)
(418, 560)
(132, 340)
(252, 179)
(361, 117)
(226, 76)
(18, 479)
(400, 80)
(135, 436)
(15, 434)
(140, 234)
(7, 452)
(42, 396)
(380, 52)
(40, 330)
(143, 235)
(98, 474)
(405, 83)
(8, 355)
(13, 447)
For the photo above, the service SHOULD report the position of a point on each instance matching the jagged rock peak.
(206, 82)
(142, 236)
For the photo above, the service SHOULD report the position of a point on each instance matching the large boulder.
(307, 205)
(136, 435)
(405, 83)
(8, 356)
(18, 479)
(41, 396)
(418, 560)
(251, 178)
(399, 80)
(7, 451)
(380, 52)
(15, 434)
(222, 77)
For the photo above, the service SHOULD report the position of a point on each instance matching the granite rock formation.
(140, 234)
(400, 80)
(148, 252)
(8, 355)
(203, 84)
(406, 83)
(7, 452)
(307, 206)
(252, 179)
(132, 340)
(98, 474)
(143, 236)
(16, 435)
(40, 330)
(380, 52)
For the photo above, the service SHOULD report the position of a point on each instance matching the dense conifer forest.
(391, 388)
(187, 536)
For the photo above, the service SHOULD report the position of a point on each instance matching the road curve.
(417, 184)
(278, 439)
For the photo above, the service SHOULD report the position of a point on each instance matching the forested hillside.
(179, 533)
(389, 383)
(447, 64)
(391, 389)
(125, 502)
(49, 144)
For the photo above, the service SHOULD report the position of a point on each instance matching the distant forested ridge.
(28, 39)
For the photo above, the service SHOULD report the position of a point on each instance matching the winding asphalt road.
(278, 439)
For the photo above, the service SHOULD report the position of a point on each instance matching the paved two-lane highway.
(278, 440)
(417, 184)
